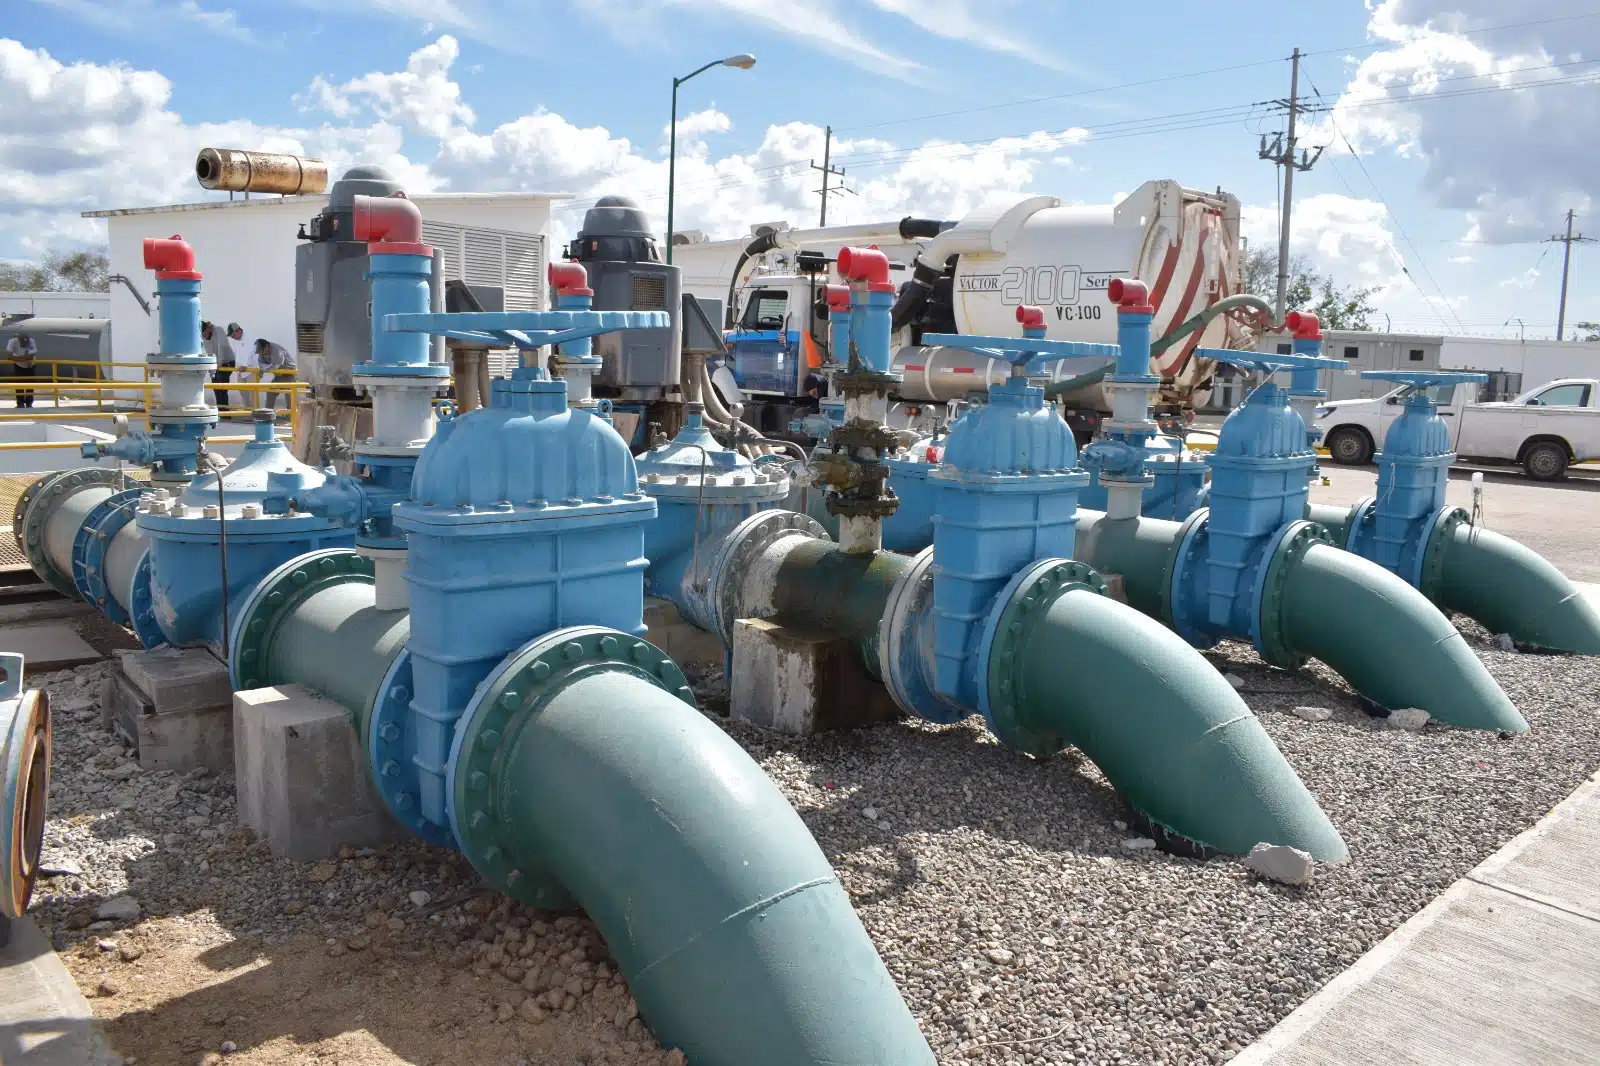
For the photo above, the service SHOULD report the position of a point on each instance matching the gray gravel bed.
(1000, 890)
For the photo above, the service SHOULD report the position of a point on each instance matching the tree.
(1591, 330)
(1336, 306)
(61, 271)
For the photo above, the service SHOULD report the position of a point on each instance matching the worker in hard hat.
(21, 350)
(277, 365)
(244, 359)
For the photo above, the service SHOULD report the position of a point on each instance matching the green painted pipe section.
(1510, 588)
(1136, 548)
(1388, 641)
(737, 939)
(1334, 518)
(1165, 728)
(1203, 319)
(1376, 631)
(822, 588)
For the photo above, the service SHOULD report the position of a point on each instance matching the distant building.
(245, 249)
(56, 304)
(1365, 350)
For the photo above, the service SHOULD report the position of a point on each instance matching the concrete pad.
(685, 643)
(801, 683)
(44, 1019)
(180, 679)
(1498, 970)
(47, 647)
(301, 776)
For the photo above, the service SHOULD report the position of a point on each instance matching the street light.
(744, 61)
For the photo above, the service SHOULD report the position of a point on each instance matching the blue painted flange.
(143, 608)
(389, 753)
(905, 647)
(1189, 552)
(100, 527)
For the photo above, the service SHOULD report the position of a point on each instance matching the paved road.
(1560, 521)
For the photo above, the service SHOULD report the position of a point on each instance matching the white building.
(1537, 361)
(245, 249)
(56, 304)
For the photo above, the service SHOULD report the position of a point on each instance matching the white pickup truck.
(1544, 430)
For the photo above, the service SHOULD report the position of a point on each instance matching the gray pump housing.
(626, 273)
(332, 305)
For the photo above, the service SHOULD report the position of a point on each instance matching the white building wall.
(56, 304)
(246, 251)
(1538, 361)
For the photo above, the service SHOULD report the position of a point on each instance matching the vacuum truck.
(970, 276)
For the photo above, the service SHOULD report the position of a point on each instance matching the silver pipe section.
(936, 374)
(61, 528)
(122, 562)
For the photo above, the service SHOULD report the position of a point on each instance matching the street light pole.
(743, 61)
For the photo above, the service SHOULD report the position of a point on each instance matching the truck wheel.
(1545, 461)
(1349, 447)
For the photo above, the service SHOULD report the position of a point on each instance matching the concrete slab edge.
(67, 1033)
(1313, 1010)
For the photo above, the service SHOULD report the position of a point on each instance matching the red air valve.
(1130, 296)
(838, 297)
(570, 279)
(391, 225)
(170, 257)
(868, 265)
(1030, 317)
(1304, 326)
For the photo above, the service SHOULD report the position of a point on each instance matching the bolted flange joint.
(275, 597)
(44, 496)
(507, 702)
(1293, 543)
(1027, 600)
(1436, 551)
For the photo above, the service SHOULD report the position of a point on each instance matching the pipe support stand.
(504, 704)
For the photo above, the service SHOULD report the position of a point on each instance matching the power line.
(1393, 217)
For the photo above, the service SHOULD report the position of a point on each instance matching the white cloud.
(141, 18)
(1498, 119)
(422, 97)
(1462, 259)
(84, 136)
(1525, 280)
(814, 22)
(958, 20)
(1344, 237)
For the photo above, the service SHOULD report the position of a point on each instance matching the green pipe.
(736, 937)
(1333, 517)
(1093, 377)
(1377, 632)
(1509, 588)
(1163, 725)
(323, 633)
(824, 589)
(1388, 641)
(1203, 319)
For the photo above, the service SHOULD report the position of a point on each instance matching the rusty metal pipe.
(233, 170)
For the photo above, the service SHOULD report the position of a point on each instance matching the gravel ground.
(1002, 893)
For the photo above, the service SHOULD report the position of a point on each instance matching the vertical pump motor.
(626, 273)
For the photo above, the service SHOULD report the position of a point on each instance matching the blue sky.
(1461, 121)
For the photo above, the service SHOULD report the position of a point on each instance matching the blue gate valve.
(1395, 527)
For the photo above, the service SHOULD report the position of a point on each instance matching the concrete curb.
(1491, 873)
(44, 1019)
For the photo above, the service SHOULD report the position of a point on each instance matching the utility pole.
(827, 170)
(1566, 264)
(1281, 153)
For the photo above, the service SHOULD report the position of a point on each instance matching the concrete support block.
(686, 644)
(301, 778)
(180, 679)
(801, 683)
(175, 705)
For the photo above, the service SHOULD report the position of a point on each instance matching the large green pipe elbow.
(1162, 725)
(1387, 640)
(1509, 588)
(736, 937)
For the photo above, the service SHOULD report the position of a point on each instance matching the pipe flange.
(46, 499)
(142, 611)
(24, 791)
(901, 651)
(743, 544)
(275, 597)
(1187, 553)
(20, 512)
(1361, 515)
(99, 528)
(1436, 550)
(389, 752)
(1025, 600)
(487, 735)
(1293, 542)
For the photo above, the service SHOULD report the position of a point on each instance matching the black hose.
(762, 244)
(912, 228)
(913, 295)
